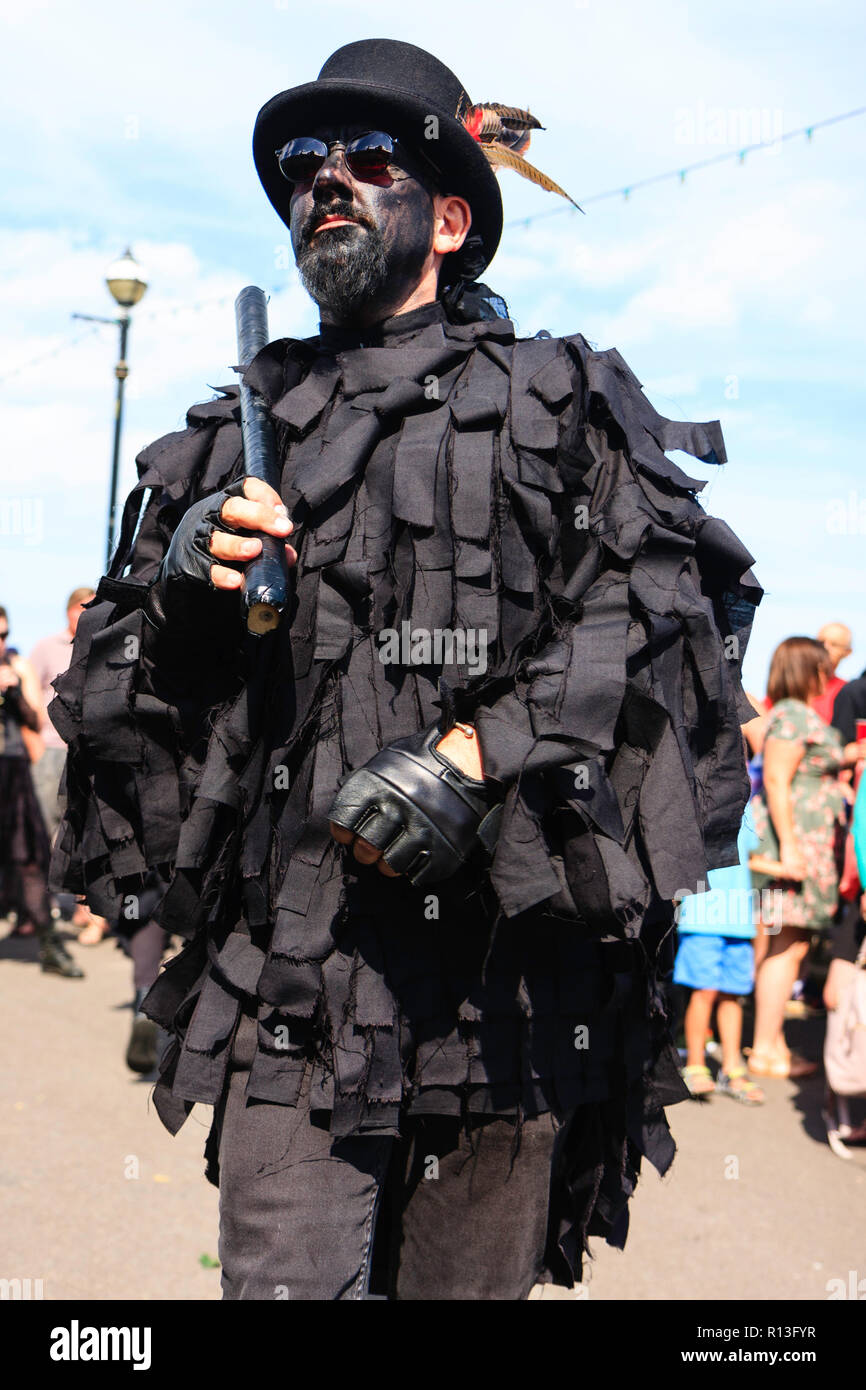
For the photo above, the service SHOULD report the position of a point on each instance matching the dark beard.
(344, 269)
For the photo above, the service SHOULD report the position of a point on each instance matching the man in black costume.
(422, 841)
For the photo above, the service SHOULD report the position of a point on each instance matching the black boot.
(141, 1052)
(54, 957)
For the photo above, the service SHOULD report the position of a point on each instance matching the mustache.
(320, 215)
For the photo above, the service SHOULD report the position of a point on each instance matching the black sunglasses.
(368, 156)
(4, 635)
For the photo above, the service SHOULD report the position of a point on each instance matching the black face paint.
(363, 272)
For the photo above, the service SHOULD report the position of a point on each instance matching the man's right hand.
(217, 527)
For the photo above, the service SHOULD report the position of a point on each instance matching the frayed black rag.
(452, 478)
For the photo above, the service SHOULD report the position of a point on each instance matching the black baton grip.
(265, 585)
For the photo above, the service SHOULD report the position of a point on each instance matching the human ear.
(452, 218)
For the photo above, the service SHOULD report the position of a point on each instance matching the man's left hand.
(415, 807)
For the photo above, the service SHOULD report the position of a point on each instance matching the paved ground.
(755, 1206)
(100, 1202)
(74, 1123)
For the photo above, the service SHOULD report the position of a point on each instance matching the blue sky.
(736, 295)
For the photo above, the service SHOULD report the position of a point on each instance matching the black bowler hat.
(405, 87)
(392, 83)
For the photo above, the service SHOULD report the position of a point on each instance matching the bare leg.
(762, 941)
(697, 1022)
(775, 978)
(729, 1016)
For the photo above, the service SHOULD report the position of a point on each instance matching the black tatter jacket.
(451, 477)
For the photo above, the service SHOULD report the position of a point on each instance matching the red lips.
(336, 219)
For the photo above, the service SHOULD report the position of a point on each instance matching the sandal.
(781, 1069)
(699, 1081)
(762, 1065)
(736, 1084)
(95, 932)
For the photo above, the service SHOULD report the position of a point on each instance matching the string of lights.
(623, 191)
(52, 352)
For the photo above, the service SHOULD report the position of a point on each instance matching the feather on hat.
(504, 132)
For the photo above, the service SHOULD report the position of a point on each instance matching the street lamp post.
(127, 285)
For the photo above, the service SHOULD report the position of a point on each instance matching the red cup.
(860, 729)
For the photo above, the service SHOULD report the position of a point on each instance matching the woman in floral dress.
(800, 820)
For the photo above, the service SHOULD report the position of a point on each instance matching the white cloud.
(136, 122)
(58, 412)
(665, 389)
(686, 301)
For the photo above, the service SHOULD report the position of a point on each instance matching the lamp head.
(125, 280)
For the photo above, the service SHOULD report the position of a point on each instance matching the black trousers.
(145, 949)
(443, 1212)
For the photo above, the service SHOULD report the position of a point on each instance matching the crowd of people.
(32, 758)
(796, 895)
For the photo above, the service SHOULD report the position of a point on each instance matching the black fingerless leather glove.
(425, 815)
(184, 576)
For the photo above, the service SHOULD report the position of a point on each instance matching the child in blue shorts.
(716, 959)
